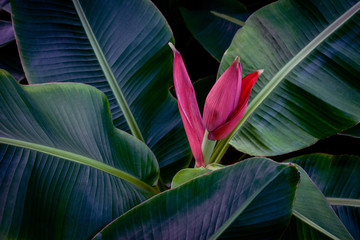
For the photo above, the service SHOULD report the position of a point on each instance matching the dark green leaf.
(251, 198)
(119, 47)
(338, 177)
(42, 194)
(310, 88)
(314, 213)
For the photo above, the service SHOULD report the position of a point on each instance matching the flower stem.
(207, 147)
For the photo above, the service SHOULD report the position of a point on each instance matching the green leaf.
(215, 24)
(119, 47)
(251, 198)
(310, 87)
(313, 211)
(353, 132)
(46, 130)
(188, 174)
(338, 177)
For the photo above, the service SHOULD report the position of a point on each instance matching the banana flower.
(224, 107)
(226, 103)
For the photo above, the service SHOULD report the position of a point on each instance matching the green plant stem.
(228, 18)
(220, 150)
(344, 202)
(242, 157)
(119, 96)
(207, 147)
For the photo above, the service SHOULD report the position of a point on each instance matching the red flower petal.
(188, 107)
(194, 141)
(223, 98)
(224, 130)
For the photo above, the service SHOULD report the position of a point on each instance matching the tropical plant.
(94, 143)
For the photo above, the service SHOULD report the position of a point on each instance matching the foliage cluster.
(91, 140)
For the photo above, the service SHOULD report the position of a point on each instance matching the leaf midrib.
(313, 224)
(280, 76)
(109, 75)
(79, 159)
(244, 206)
(349, 202)
(228, 18)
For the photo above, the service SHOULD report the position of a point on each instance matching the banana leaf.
(65, 170)
(338, 178)
(119, 47)
(251, 199)
(310, 88)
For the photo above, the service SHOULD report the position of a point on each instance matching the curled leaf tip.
(237, 59)
(172, 46)
(260, 71)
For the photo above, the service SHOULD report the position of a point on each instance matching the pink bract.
(226, 102)
(188, 107)
(224, 107)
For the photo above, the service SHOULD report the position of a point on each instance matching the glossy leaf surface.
(43, 195)
(314, 213)
(338, 177)
(188, 174)
(251, 198)
(119, 47)
(310, 87)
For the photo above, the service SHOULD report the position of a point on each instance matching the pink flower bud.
(224, 107)
(226, 103)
